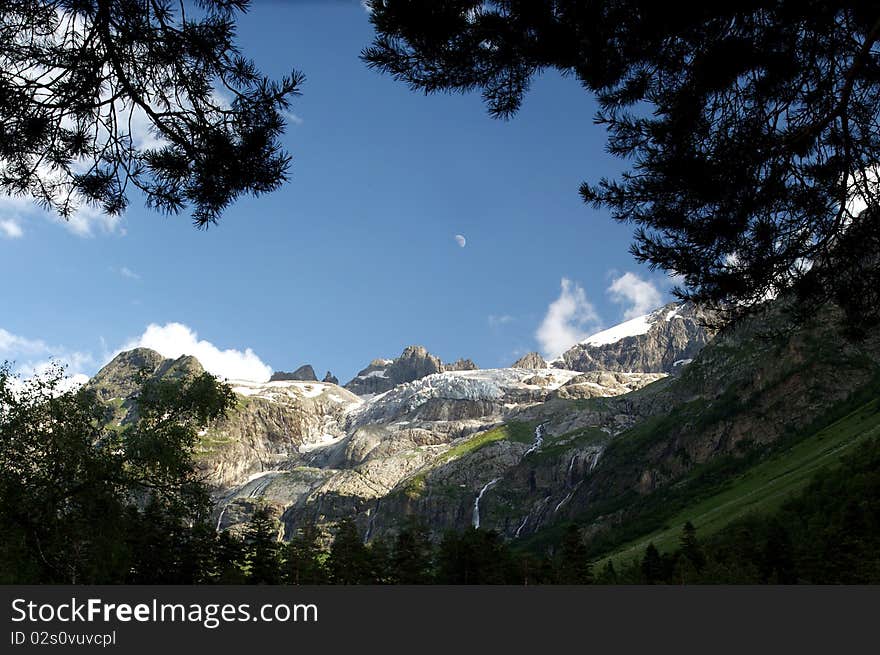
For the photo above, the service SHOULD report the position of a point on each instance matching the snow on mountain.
(489, 385)
(657, 342)
(630, 328)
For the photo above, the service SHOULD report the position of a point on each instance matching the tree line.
(86, 500)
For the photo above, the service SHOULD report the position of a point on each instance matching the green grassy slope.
(764, 487)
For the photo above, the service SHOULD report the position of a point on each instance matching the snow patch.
(631, 328)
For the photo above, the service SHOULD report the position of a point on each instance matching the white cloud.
(497, 320)
(34, 357)
(570, 318)
(641, 295)
(460, 240)
(12, 345)
(176, 339)
(10, 229)
(125, 271)
(85, 222)
(296, 119)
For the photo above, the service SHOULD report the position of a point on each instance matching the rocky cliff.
(304, 373)
(413, 364)
(659, 342)
(531, 360)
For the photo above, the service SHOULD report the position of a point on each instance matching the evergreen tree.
(574, 566)
(608, 576)
(349, 559)
(652, 565)
(231, 560)
(412, 555)
(263, 558)
(381, 569)
(690, 547)
(211, 122)
(303, 558)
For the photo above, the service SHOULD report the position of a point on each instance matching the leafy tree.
(76, 493)
(752, 128)
(98, 96)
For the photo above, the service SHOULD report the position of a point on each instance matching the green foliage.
(827, 534)
(573, 566)
(516, 431)
(263, 552)
(304, 558)
(67, 138)
(349, 560)
(412, 559)
(82, 503)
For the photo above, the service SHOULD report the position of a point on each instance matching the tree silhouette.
(349, 560)
(574, 565)
(303, 558)
(752, 129)
(85, 502)
(652, 565)
(262, 547)
(98, 96)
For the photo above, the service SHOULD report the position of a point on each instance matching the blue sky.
(356, 257)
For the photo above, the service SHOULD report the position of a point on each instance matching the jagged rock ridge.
(304, 373)
(660, 342)
(531, 360)
(413, 364)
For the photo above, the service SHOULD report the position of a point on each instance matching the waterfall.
(372, 514)
(521, 526)
(570, 467)
(539, 440)
(563, 501)
(596, 459)
(477, 502)
(220, 518)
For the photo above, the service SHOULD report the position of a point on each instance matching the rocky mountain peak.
(461, 365)
(304, 373)
(121, 376)
(414, 363)
(531, 360)
(330, 378)
(660, 342)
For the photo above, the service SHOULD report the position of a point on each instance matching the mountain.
(659, 342)
(304, 373)
(414, 363)
(531, 360)
(527, 451)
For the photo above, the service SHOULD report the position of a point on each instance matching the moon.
(460, 240)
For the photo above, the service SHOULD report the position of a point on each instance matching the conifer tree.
(574, 566)
(263, 559)
(652, 565)
(349, 560)
(303, 558)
